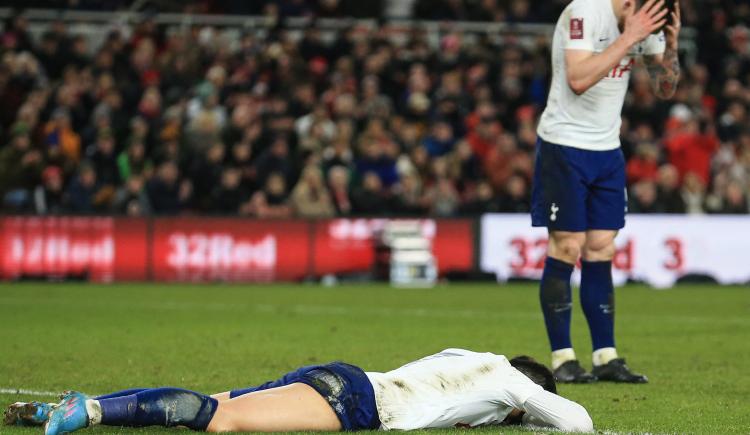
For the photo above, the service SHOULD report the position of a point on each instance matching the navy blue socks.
(555, 298)
(120, 393)
(159, 407)
(598, 302)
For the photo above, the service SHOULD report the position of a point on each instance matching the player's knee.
(599, 246)
(599, 250)
(567, 249)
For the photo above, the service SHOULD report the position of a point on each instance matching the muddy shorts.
(346, 388)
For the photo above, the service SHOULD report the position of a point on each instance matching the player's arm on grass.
(664, 69)
(584, 67)
(546, 409)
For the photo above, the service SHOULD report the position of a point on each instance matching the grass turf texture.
(691, 341)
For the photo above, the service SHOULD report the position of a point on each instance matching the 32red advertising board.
(193, 249)
(219, 249)
(99, 249)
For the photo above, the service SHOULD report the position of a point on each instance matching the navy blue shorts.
(578, 190)
(346, 388)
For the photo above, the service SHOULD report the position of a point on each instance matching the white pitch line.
(28, 392)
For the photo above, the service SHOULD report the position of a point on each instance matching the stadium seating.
(282, 118)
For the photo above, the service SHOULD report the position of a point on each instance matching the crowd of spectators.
(183, 120)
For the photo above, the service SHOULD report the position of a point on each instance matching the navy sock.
(555, 298)
(160, 407)
(120, 393)
(598, 302)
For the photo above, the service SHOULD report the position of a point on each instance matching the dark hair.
(535, 371)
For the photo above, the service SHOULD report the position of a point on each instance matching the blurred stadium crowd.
(183, 121)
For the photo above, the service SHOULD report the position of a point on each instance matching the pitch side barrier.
(206, 249)
(656, 249)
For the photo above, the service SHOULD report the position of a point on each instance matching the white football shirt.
(591, 120)
(460, 388)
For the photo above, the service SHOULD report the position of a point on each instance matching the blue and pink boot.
(69, 416)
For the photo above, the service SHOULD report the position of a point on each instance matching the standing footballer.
(579, 184)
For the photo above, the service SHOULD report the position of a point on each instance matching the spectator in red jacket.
(644, 165)
(690, 149)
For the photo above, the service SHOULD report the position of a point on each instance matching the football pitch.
(692, 341)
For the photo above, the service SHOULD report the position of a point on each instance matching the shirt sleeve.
(580, 28)
(654, 44)
(546, 409)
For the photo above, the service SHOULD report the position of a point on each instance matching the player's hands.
(672, 31)
(650, 17)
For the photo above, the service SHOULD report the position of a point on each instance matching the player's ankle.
(561, 356)
(94, 411)
(603, 355)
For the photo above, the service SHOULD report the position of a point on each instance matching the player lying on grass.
(454, 388)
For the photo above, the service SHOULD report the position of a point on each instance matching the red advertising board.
(216, 249)
(99, 249)
(196, 249)
(131, 249)
(348, 245)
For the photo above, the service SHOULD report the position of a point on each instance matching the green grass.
(692, 341)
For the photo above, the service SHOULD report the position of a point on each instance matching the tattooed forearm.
(665, 74)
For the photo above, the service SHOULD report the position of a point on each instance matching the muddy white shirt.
(460, 388)
(590, 120)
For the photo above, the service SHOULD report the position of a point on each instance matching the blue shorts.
(578, 190)
(346, 388)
